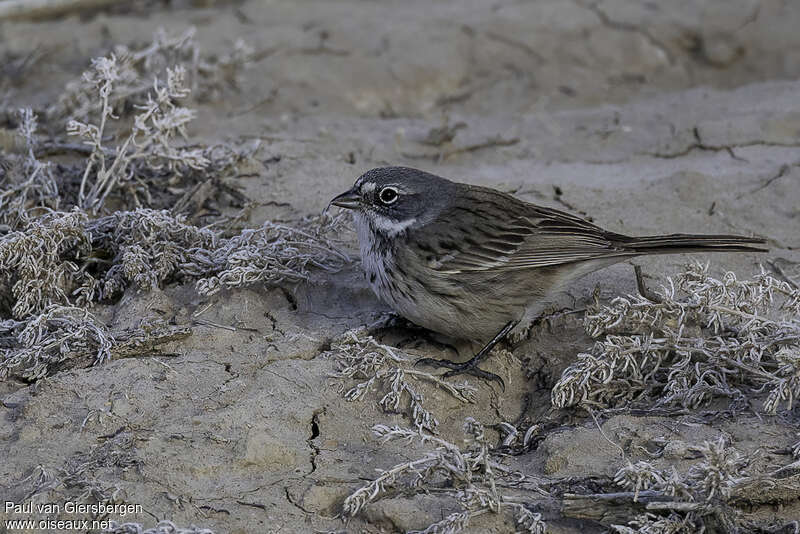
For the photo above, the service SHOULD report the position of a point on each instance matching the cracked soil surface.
(647, 119)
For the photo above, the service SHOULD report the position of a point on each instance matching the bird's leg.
(642, 287)
(471, 365)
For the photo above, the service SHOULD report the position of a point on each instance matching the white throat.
(389, 227)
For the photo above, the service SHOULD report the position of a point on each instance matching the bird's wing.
(501, 233)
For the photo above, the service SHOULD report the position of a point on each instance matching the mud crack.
(315, 433)
(700, 145)
(608, 22)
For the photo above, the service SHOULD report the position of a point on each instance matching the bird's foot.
(469, 367)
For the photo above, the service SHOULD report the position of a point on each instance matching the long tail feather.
(680, 243)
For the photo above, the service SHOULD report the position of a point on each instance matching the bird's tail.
(681, 243)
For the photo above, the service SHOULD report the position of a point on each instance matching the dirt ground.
(647, 118)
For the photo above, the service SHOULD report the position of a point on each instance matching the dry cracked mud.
(646, 117)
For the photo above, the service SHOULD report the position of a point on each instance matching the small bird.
(472, 262)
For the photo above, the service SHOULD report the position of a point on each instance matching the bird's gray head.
(393, 199)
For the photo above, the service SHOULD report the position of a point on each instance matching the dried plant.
(163, 527)
(710, 479)
(639, 476)
(468, 475)
(62, 254)
(25, 181)
(85, 476)
(34, 348)
(272, 254)
(655, 524)
(151, 154)
(147, 84)
(720, 338)
(207, 76)
(37, 262)
(359, 356)
(146, 248)
(719, 471)
(150, 141)
(59, 262)
(30, 349)
(514, 440)
(705, 487)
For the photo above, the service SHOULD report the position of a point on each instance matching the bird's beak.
(348, 199)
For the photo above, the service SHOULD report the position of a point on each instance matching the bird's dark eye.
(388, 195)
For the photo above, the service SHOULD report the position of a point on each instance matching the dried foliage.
(469, 476)
(25, 181)
(90, 476)
(706, 338)
(147, 149)
(38, 262)
(359, 356)
(125, 111)
(146, 248)
(272, 254)
(207, 76)
(150, 151)
(710, 479)
(58, 256)
(63, 254)
(61, 262)
(30, 349)
(701, 493)
(163, 527)
(656, 524)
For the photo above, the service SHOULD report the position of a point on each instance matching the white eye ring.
(388, 196)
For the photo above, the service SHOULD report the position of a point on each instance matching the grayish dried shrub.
(150, 82)
(705, 487)
(207, 76)
(469, 476)
(61, 262)
(25, 182)
(656, 524)
(272, 254)
(91, 476)
(146, 248)
(49, 260)
(62, 254)
(29, 349)
(720, 469)
(38, 263)
(639, 476)
(710, 479)
(163, 527)
(706, 338)
(149, 143)
(359, 356)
